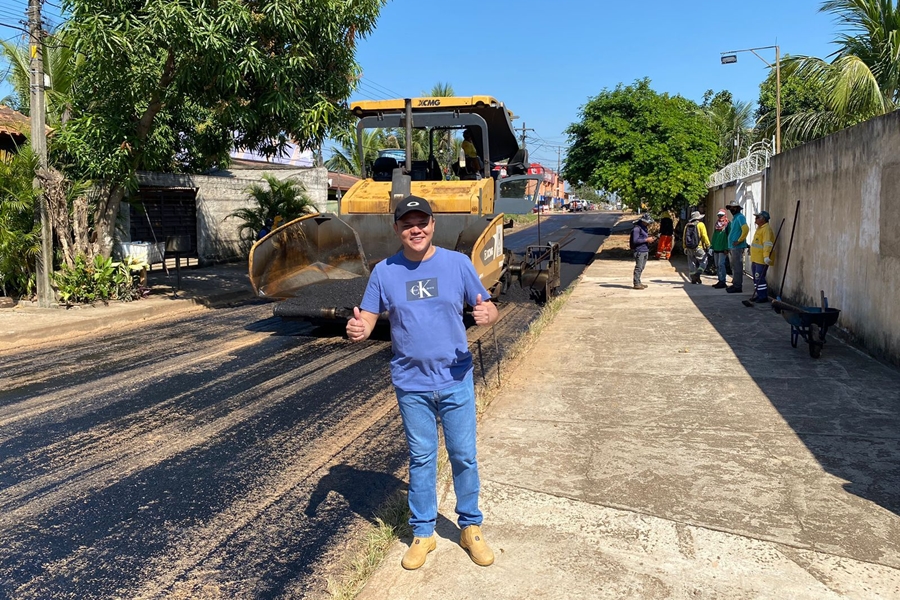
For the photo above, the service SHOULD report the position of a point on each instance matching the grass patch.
(391, 523)
(526, 219)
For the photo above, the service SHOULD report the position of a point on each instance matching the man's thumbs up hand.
(356, 327)
(480, 312)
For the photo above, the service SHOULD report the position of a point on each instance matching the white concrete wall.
(219, 195)
(846, 241)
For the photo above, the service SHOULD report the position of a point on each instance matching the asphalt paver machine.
(318, 265)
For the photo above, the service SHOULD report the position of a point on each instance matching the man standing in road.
(424, 288)
(761, 256)
(737, 241)
(640, 244)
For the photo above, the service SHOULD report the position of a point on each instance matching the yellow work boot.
(418, 550)
(473, 541)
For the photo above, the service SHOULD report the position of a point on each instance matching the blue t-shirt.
(736, 232)
(425, 303)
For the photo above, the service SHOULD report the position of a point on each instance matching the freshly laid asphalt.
(26, 324)
(658, 443)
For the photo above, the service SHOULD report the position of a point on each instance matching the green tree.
(651, 149)
(19, 233)
(345, 159)
(174, 85)
(445, 150)
(286, 199)
(60, 65)
(732, 121)
(863, 78)
(586, 192)
(799, 96)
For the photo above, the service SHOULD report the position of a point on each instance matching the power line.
(18, 28)
(371, 91)
(386, 90)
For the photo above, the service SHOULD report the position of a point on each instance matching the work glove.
(768, 260)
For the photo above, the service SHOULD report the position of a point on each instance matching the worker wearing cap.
(761, 256)
(697, 254)
(424, 288)
(719, 245)
(640, 244)
(737, 241)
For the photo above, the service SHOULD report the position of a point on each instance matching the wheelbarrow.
(809, 322)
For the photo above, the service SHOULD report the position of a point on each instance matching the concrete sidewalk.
(210, 286)
(669, 443)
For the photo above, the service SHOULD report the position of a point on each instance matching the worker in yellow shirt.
(761, 256)
(473, 161)
(695, 242)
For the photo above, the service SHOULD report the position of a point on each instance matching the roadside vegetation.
(276, 202)
(19, 233)
(659, 160)
(174, 88)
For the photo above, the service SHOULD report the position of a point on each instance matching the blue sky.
(545, 59)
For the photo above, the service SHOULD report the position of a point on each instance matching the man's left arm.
(483, 311)
(768, 245)
(704, 237)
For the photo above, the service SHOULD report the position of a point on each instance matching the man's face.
(733, 210)
(416, 230)
(760, 220)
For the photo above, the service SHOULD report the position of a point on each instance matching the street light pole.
(777, 100)
(730, 57)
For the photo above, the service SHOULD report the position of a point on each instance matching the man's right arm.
(360, 326)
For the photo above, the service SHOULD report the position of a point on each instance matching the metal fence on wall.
(756, 161)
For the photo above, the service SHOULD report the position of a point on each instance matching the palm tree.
(19, 234)
(346, 158)
(863, 79)
(444, 147)
(733, 123)
(282, 200)
(60, 63)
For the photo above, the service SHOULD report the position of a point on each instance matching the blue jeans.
(721, 267)
(640, 261)
(455, 406)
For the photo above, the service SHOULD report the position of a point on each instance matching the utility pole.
(558, 153)
(524, 129)
(39, 145)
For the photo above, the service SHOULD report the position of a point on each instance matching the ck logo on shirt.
(422, 289)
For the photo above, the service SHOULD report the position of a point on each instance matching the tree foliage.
(19, 233)
(863, 78)
(286, 199)
(651, 149)
(345, 158)
(799, 96)
(60, 62)
(174, 85)
(732, 121)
